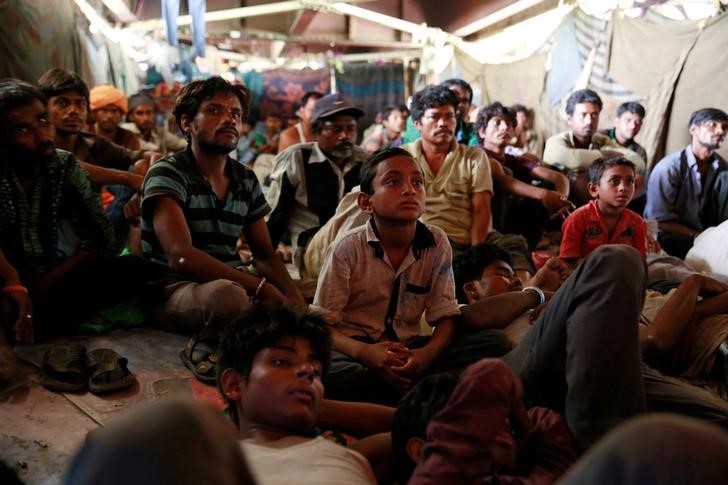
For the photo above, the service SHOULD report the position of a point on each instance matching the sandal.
(107, 371)
(199, 354)
(64, 369)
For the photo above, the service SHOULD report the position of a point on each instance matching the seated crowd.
(417, 330)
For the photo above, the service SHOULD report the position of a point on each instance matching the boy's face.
(497, 278)
(398, 191)
(615, 188)
(284, 389)
(395, 122)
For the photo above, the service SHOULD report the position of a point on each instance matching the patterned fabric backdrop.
(371, 86)
(281, 89)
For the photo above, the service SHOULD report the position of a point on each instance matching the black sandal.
(199, 354)
(64, 369)
(107, 371)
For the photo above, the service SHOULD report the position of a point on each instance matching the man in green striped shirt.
(195, 205)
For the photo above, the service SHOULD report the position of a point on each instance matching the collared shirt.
(33, 225)
(304, 193)
(214, 225)
(632, 145)
(449, 193)
(584, 231)
(163, 143)
(676, 192)
(561, 149)
(357, 283)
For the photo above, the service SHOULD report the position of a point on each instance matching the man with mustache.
(574, 150)
(55, 242)
(688, 189)
(309, 179)
(195, 205)
(68, 105)
(119, 168)
(457, 177)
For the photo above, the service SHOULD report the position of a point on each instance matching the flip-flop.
(199, 354)
(64, 369)
(107, 371)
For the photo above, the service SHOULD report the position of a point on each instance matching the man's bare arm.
(111, 176)
(288, 137)
(268, 262)
(482, 217)
(174, 236)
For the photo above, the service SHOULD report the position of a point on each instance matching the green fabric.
(127, 314)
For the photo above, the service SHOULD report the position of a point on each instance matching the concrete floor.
(41, 430)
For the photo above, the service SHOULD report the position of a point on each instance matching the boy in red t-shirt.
(605, 219)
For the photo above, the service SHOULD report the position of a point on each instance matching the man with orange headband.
(108, 106)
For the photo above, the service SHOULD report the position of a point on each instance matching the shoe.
(199, 354)
(107, 371)
(64, 369)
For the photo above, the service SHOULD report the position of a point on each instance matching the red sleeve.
(550, 446)
(572, 234)
(459, 436)
(640, 236)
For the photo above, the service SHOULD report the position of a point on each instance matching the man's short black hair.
(631, 107)
(56, 81)
(368, 169)
(431, 97)
(495, 109)
(470, 265)
(463, 84)
(414, 413)
(192, 95)
(600, 165)
(309, 95)
(388, 110)
(707, 114)
(263, 326)
(519, 108)
(582, 96)
(15, 93)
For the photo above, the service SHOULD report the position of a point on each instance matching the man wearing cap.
(309, 179)
(141, 116)
(108, 105)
